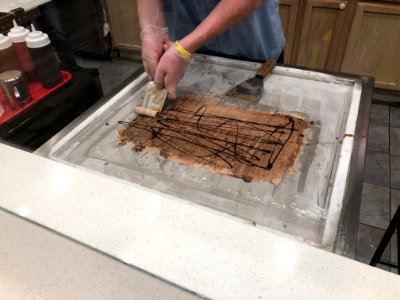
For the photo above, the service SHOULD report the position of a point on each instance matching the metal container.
(306, 205)
(15, 88)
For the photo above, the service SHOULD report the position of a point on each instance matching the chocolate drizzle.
(226, 139)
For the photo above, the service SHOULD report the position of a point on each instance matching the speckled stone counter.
(36, 263)
(201, 250)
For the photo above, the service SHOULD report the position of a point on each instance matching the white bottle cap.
(18, 33)
(5, 42)
(37, 39)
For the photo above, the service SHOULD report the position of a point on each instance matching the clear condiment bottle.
(44, 57)
(8, 57)
(17, 36)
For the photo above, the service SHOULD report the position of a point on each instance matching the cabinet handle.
(342, 6)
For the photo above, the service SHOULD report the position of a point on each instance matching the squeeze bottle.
(44, 57)
(8, 57)
(17, 36)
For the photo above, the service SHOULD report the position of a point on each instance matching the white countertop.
(36, 263)
(206, 252)
(7, 5)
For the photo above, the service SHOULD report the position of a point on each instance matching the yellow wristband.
(186, 54)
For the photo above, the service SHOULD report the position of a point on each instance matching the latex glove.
(154, 41)
(170, 70)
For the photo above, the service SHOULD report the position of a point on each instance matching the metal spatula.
(252, 89)
(153, 100)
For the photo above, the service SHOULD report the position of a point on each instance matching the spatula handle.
(266, 68)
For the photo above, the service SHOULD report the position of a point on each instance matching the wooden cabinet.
(336, 35)
(322, 33)
(373, 47)
(124, 23)
(288, 10)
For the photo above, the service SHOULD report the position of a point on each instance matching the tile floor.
(381, 187)
(111, 72)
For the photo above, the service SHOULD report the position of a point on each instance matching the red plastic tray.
(38, 92)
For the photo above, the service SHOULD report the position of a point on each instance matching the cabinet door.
(320, 38)
(124, 22)
(288, 11)
(373, 47)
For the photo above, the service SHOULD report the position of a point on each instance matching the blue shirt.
(257, 37)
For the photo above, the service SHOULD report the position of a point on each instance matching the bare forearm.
(150, 13)
(226, 14)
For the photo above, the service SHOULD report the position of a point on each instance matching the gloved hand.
(154, 40)
(170, 70)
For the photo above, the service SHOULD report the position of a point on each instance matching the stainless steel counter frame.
(346, 237)
(345, 243)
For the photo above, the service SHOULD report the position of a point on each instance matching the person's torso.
(258, 37)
